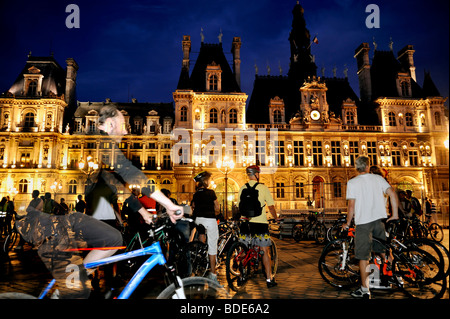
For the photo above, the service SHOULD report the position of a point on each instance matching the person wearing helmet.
(257, 228)
(205, 207)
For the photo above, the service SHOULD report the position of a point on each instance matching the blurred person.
(80, 206)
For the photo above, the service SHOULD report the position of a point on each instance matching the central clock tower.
(314, 106)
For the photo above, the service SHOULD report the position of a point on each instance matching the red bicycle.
(243, 261)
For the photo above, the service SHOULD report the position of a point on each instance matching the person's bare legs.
(95, 255)
(364, 274)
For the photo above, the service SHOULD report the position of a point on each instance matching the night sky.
(132, 49)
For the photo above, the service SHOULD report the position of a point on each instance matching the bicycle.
(173, 245)
(314, 228)
(334, 230)
(435, 230)
(186, 288)
(13, 237)
(198, 251)
(243, 261)
(414, 270)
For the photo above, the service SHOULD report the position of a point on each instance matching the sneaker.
(213, 277)
(271, 283)
(361, 294)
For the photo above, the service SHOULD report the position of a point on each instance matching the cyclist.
(365, 195)
(206, 207)
(257, 227)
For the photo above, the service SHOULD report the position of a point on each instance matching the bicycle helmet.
(253, 169)
(200, 177)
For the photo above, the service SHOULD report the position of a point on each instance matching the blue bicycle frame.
(157, 258)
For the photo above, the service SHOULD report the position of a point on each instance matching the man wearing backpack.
(252, 199)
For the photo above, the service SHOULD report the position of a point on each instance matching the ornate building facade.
(303, 129)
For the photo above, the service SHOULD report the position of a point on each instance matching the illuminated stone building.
(305, 130)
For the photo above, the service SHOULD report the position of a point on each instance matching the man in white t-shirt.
(366, 203)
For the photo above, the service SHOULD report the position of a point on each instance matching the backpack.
(249, 205)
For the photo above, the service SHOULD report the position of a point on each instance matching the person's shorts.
(212, 231)
(364, 243)
(255, 233)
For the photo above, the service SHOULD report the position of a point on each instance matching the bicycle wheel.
(199, 259)
(16, 295)
(273, 253)
(334, 231)
(237, 268)
(297, 232)
(418, 274)
(196, 288)
(437, 250)
(10, 241)
(320, 233)
(436, 232)
(337, 267)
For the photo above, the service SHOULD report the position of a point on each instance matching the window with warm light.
(233, 116)
(29, 120)
(392, 120)
(213, 115)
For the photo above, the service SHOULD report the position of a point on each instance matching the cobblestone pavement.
(297, 276)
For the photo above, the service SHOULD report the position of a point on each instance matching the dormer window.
(213, 77)
(392, 120)
(213, 83)
(183, 114)
(277, 117)
(350, 118)
(32, 88)
(276, 109)
(404, 85)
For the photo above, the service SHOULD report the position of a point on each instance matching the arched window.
(277, 118)
(29, 120)
(349, 117)
(437, 118)
(73, 186)
(23, 186)
(151, 184)
(166, 182)
(213, 83)
(183, 114)
(233, 116)
(409, 119)
(392, 120)
(213, 116)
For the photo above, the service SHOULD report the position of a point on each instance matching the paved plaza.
(298, 276)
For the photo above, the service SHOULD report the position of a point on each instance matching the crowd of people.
(98, 219)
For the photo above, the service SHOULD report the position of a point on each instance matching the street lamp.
(55, 187)
(225, 166)
(88, 169)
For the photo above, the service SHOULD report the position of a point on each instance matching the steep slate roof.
(429, 89)
(209, 53)
(54, 76)
(266, 88)
(383, 72)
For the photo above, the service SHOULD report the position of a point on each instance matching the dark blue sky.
(132, 48)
